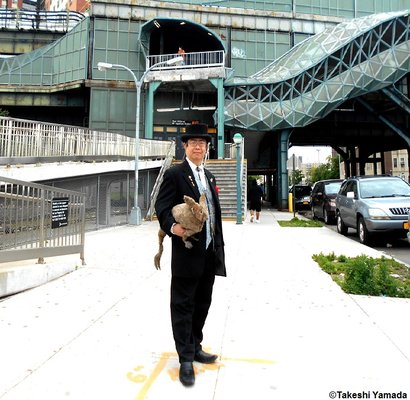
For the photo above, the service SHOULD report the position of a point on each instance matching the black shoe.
(205, 358)
(186, 374)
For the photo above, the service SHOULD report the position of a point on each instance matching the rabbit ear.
(189, 200)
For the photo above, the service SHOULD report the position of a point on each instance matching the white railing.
(204, 59)
(38, 221)
(56, 21)
(28, 140)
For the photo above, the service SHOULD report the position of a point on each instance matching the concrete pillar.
(218, 83)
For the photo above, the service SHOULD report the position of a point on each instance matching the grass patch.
(367, 275)
(300, 223)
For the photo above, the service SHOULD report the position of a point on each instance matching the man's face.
(195, 150)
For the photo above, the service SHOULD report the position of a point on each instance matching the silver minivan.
(374, 206)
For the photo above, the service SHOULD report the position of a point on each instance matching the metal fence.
(38, 221)
(203, 59)
(26, 141)
(110, 196)
(57, 21)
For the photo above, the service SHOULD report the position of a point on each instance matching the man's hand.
(178, 230)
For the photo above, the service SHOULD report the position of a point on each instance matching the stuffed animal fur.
(192, 216)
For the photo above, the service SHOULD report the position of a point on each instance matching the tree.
(329, 170)
(296, 177)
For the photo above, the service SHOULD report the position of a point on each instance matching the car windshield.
(332, 188)
(302, 191)
(384, 188)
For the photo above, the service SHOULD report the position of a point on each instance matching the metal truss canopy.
(312, 79)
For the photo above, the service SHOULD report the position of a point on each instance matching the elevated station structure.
(281, 73)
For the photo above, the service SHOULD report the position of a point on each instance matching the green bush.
(366, 275)
(300, 223)
(359, 277)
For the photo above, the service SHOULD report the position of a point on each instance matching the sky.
(311, 154)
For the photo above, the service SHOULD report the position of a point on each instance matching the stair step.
(225, 175)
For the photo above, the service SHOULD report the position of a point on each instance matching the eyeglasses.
(197, 142)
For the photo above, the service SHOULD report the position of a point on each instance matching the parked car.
(374, 206)
(301, 197)
(323, 199)
(408, 228)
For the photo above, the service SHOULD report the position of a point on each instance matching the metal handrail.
(38, 221)
(32, 141)
(243, 173)
(166, 164)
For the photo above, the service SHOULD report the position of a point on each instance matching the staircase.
(225, 175)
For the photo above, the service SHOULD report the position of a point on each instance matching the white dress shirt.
(200, 173)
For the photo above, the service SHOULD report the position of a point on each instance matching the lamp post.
(135, 216)
(237, 139)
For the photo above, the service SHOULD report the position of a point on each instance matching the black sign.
(59, 212)
(179, 122)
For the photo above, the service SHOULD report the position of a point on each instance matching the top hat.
(196, 131)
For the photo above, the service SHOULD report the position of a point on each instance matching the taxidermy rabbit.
(192, 216)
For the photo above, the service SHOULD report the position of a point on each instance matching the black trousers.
(190, 302)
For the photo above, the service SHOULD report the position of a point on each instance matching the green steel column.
(149, 109)
(283, 183)
(219, 84)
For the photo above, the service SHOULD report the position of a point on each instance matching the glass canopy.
(309, 81)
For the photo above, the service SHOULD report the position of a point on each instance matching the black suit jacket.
(179, 181)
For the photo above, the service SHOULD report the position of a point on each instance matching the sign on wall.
(59, 212)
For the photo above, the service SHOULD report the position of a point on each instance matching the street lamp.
(237, 139)
(135, 217)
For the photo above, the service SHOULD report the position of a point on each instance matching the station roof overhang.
(178, 32)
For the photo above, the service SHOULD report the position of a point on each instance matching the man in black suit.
(193, 270)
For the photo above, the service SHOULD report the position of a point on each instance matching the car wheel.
(363, 233)
(341, 227)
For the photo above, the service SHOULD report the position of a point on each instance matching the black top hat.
(197, 131)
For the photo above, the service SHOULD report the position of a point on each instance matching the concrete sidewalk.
(282, 328)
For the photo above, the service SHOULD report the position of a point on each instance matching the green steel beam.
(401, 100)
(283, 183)
(404, 135)
(63, 99)
(218, 83)
(149, 109)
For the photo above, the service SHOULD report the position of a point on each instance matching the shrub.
(359, 277)
(366, 275)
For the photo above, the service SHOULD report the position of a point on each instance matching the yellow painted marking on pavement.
(136, 378)
(154, 375)
(174, 372)
(250, 360)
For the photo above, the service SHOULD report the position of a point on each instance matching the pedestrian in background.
(255, 201)
(193, 270)
(181, 52)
